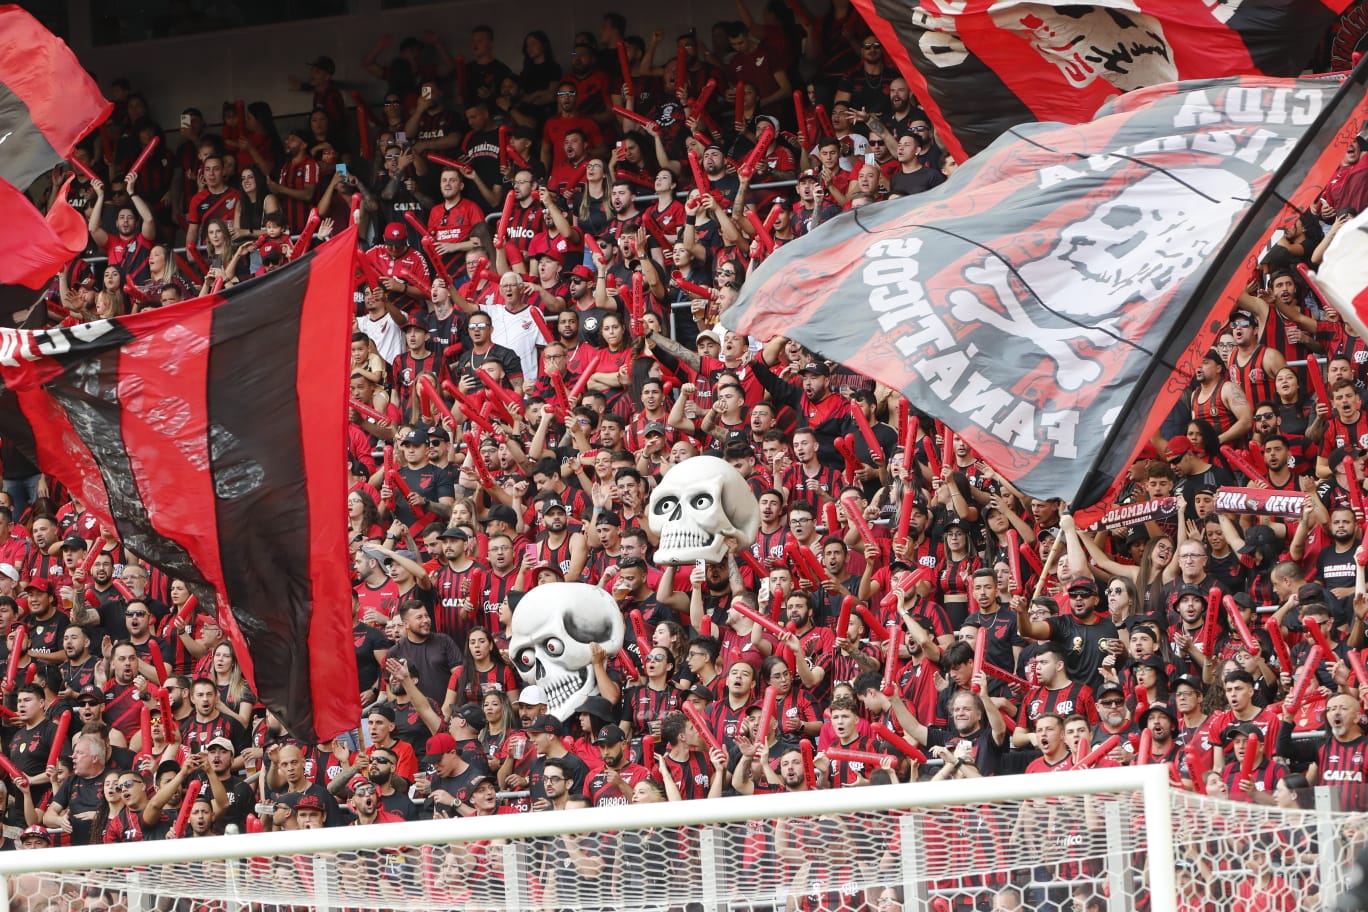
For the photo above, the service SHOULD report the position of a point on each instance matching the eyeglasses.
(697, 654)
(553, 778)
(361, 792)
(1190, 556)
(877, 142)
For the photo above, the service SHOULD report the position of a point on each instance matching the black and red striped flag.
(47, 103)
(1052, 300)
(979, 67)
(210, 434)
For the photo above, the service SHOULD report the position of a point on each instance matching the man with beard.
(1082, 633)
(1335, 565)
(298, 182)
(1221, 402)
(454, 609)
(1161, 722)
(614, 782)
(365, 805)
(558, 545)
(430, 657)
(1186, 633)
(79, 668)
(233, 798)
(1056, 695)
(1113, 717)
(1004, 645)
(1340, 760)
(974, 743)
(391, 789)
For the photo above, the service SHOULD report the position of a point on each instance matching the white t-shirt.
(519, 332)
(385, 333)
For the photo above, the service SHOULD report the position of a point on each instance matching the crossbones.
(1074, 370)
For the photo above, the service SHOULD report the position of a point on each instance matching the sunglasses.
(656, 657)
(1266, 416)
(135, 614)
(1110, 702)
(870, 44)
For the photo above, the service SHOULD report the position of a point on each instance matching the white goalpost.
(920, 846)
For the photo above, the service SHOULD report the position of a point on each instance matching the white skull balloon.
(696, 504)
(550, 639)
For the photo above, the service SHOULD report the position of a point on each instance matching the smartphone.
(342, 168)
(401, 138)
(185, 121)
(530, 552)
(427, 92)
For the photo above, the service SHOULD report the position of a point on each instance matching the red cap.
(394, 231)
(1177, 446)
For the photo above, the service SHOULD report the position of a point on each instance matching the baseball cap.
(437, 746)
(74, 542)
(1110, 687)
(374, 553)
(394, 231)
(608, 518)
(1147, 452)
(1192, 681)
(1086, 584)
(610, 734)
(471, 714)
(310, 803)
(39, 582)
(1191, 589)
(809, 174)
(551, 501)
(817, 368)
(582, 272)
(270, 249)
(406, 553)
(1240, 728)
(545, 725)
(323, 63)
(502, 512)
(653, 427)
(1243, 314)
(383, 710)
(454, 532)
(90, 692)
(703, 693)
(9, 571)
(412, 323)
(221, 742)
(1257, 537)
(709, 334)
(531, 695)
(1177, 446)
(416, 436)
(36, 831)
(438, 433)
(1159, 707)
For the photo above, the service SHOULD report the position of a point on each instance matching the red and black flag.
(979, 67)
(47, 103)
(210, 435)
(1051, 301)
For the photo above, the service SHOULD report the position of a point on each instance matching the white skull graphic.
(699, 501)
(550, 636)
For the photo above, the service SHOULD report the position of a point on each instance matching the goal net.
(1093, 841)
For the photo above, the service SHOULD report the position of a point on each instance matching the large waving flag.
(1051, 301)
(210, 434)
(47, 103)
(981, 66)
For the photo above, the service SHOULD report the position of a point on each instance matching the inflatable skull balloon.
(696, 504)
(550, 638)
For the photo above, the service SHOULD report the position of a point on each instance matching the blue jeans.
(22, 492)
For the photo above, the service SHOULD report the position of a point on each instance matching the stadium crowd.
(520, 384)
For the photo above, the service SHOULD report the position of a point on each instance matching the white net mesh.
(1083, 853)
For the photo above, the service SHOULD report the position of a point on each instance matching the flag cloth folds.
(210, 435)
(981, 66)
(1051, 301)
(47, 103)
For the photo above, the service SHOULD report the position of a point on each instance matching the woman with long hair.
(235, 696)
(1156, 568)
(614, 361)
(956, 572)
(656, 696)
(540, 72)
(257, 202)
(591, 201)
(363, 517)
(1122, 599)
(483, 669)
(111, 300)
(161, 263)
(1293, 405)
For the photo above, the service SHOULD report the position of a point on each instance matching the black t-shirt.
(987, 752)
(368, 640)
(1336, 570)
(919, 181)
(77, 795)
(1083, 646)
(575, 770)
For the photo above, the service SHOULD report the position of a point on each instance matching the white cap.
(531, 695)
(9, 571)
